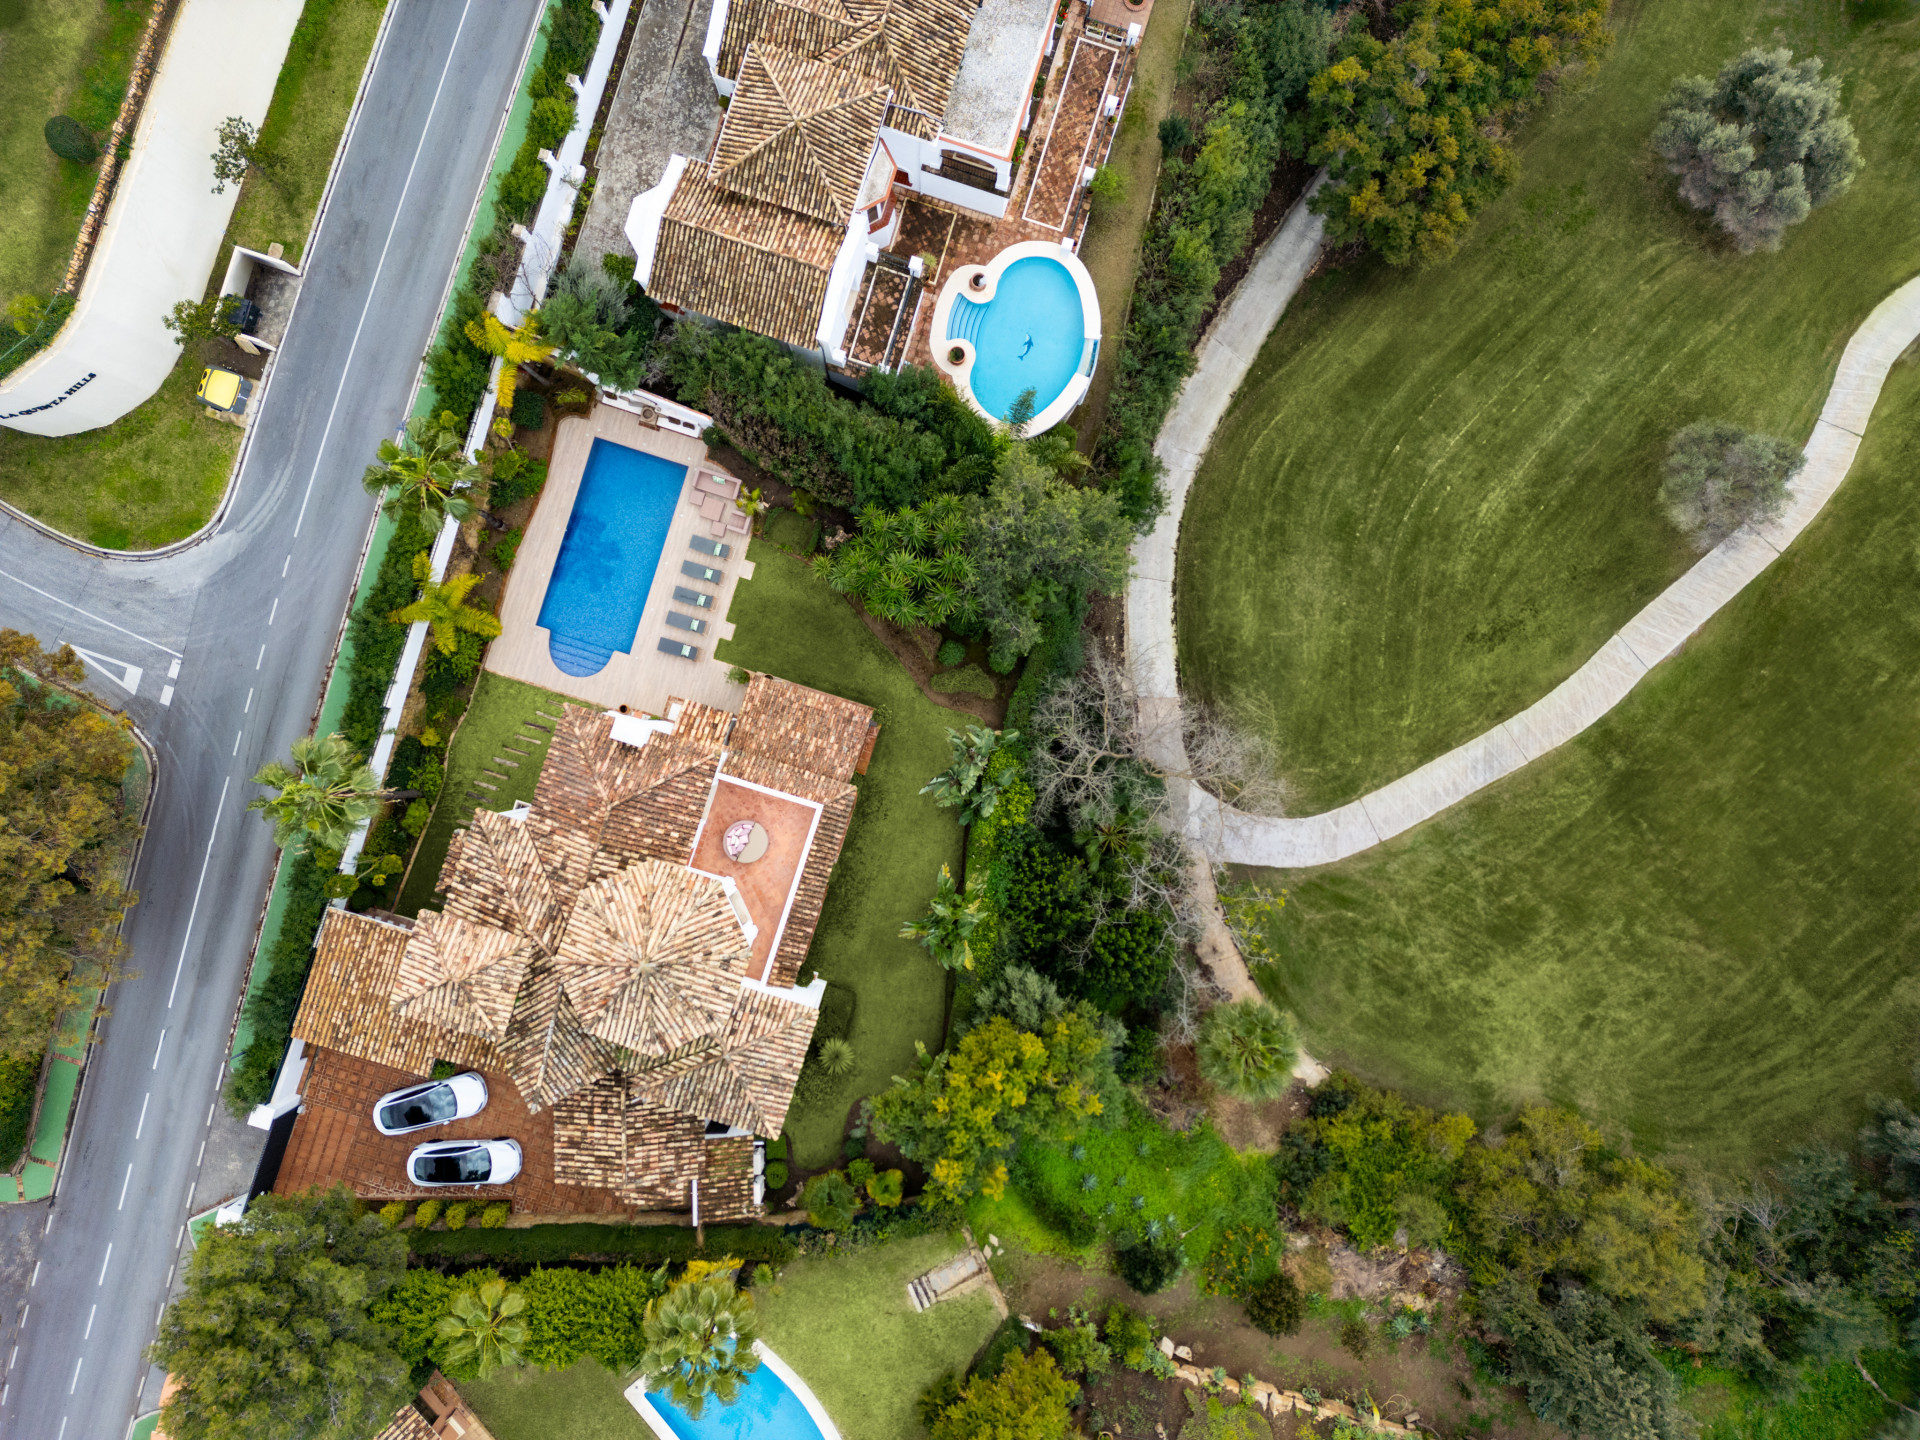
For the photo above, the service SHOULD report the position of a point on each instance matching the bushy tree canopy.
(602, 325)
(1720, 477)
(1760, 145)
(1408, 128)
(62, 825)
(1027, 1400)
(273, 1337)
(971, 1104)
(1587, 1367)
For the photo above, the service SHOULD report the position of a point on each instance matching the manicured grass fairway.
(1696, 919)
(1436, 495)
(586, 1401)
(845, 1327)
(789, 624)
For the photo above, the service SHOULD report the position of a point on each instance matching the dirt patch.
(916, 650)
(1427, 1375)
(1256, 1125)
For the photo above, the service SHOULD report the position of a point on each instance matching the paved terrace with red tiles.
(766, 884)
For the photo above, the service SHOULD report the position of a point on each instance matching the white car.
(464, 1162)
(434, 1102)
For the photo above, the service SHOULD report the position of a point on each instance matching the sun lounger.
(686, 622)
(699, 599)
(707, 573)
(710, 547)
(678, 647)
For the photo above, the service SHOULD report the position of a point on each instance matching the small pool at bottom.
(766, 1409)
(604, 571)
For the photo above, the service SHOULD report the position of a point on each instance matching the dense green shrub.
(561, 1244)
(952, 653)
(495, 1215)
(529, 409)
(1202, 220)
(514, 478)
(71, 140)
(1412, 144)
(457, 1214)
(1276, 1305)
(19, 1079)
(1149, 1266)
(270, 1010)
(782, 413)
(17, 348)
(776, 1174)
(392, 1213)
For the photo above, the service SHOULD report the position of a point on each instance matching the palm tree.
(1248, 1049)
(483, 1327)
(947, 926)
(700, 1338)
(324, 795)
(443, 608)
(965, 782)
(749, 503)
(426, 472)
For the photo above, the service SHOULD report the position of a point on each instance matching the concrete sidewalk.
(1225, 834)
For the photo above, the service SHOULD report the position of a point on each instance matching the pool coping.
(960, 372)
(636, 1394)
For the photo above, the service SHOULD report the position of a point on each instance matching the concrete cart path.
(1225, 834)
(163, 230)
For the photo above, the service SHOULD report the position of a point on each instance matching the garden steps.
(944, 1280)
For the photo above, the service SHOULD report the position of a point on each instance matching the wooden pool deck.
(642, 678)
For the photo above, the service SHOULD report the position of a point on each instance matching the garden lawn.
(57, 57)
(585, 1401)
(501, 710)
(151, 477)
(1436, 495)
(1697, 919)
(789, 624)
(844, 1324)
(155, 475)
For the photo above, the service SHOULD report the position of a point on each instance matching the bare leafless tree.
(1095, 740)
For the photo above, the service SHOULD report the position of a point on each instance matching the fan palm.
(443, 608)
(426, 471)
(1248, 1049)
(483, 1327)
(325, 795)
(947, 926)
(700, 1338)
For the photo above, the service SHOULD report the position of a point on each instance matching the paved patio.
(767, 883)
(642, 678)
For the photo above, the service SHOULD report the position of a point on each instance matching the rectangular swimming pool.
(607, 558)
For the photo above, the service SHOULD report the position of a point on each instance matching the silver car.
(464, 1162)
(434, 1102)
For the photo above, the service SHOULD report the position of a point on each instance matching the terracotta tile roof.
(748, 1080)
(347, 1002)
(508, 874)
(547, 1050)
(797, 726)
(913, 46)
(408, 1424)
(744, 262)
(799, 133)
(460, 975)
(803, 916)
(653, 957)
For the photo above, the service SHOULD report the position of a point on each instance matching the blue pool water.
(766, 1410)
(1029, 336)
(600, 582)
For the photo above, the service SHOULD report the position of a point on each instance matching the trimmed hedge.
(597, 1244)
(19, 1078)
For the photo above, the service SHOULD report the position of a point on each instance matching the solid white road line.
(373, 286)
(97, 619)
(186, 939)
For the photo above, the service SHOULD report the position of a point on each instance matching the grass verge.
(1436, 495)
(57, 57)
(1111, 247)
(1696, 920)
(789, 624)
(155, 475)
(501, 710)
(585, 1401)
(843, 1323)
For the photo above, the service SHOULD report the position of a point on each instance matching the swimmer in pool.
(1024, 348)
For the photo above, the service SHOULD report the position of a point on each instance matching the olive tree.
(1720, 477)
(1760, 145)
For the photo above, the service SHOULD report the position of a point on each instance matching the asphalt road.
(241, 627)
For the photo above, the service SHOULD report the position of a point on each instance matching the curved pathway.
(1225, 834)
(164, 227)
